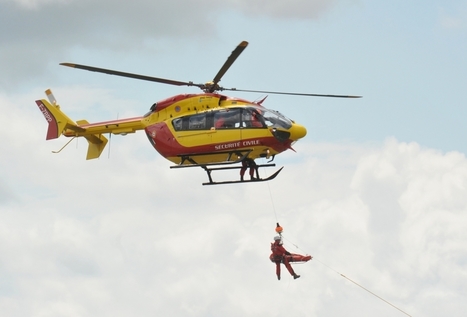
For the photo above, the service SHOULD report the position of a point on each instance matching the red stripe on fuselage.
(167, 145)
(117, 121)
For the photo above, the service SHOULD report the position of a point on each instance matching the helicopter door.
(227, 124)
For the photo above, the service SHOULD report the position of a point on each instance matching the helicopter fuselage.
(211, 126)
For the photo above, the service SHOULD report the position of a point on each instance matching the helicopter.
(208, 130)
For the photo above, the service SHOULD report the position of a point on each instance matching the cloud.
(453, 19)
(296, 9)
(416, 201)
(126, 235)
(41, 32)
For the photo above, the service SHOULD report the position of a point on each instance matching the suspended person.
(280, 255)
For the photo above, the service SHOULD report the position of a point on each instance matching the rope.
(362, 287)
(372, 293)
(296, 246)
(375, 295)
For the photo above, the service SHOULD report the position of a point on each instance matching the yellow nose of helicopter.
(297, 132)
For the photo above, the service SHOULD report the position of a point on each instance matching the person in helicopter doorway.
(249, 163)
(279, 256)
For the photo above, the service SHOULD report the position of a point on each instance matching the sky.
(376, 191)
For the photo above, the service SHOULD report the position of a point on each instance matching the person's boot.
(279, 277)
(296, 276)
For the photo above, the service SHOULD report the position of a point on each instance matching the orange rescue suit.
(279, 256)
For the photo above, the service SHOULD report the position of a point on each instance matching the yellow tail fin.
(60, 123)
(57, 120)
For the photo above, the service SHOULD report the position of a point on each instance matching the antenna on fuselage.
(110, 140)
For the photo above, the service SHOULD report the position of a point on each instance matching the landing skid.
(256, 180)
(232, 158)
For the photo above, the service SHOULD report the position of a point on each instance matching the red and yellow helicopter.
(208, 130)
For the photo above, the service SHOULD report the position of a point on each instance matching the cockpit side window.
(251, 118)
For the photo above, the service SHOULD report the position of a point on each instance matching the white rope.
(359, 285)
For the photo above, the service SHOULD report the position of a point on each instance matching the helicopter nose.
(297, 131)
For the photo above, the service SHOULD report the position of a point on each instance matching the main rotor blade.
(233, 56)
(291, 93)
(130, 75)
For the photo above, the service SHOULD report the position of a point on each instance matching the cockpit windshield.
(275, 119)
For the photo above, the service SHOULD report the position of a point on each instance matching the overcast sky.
(377, 191)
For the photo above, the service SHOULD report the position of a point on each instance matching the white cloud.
(294, 9)
(44, 31)
(453, 16)
(35, 4)
(129, 236)
(455, 21)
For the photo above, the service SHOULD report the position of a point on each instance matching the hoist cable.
(272, 200)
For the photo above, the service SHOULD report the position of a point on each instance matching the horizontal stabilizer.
(97, 144)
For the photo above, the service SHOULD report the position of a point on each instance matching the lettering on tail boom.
(52, 131)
